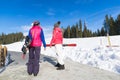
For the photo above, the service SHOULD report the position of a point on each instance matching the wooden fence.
(3, 54)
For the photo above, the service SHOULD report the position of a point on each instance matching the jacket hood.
(58, 29)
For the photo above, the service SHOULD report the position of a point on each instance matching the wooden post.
(108, 40)
(3, 54)
(0, 55)
(5, 51)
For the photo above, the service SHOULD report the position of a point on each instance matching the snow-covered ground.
(90, 51)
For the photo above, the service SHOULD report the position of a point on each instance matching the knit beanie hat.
(36, 23)
(57, 24)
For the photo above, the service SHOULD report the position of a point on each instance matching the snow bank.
(90, 51)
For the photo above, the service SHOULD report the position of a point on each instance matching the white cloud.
(25, 28)
(74, 13)
(50, 12)
(47, 30)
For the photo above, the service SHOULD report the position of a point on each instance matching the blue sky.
(17, 15)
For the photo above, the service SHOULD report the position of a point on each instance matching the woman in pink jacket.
(36, 36)
(57, 40)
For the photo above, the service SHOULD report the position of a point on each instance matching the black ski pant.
(33, 62)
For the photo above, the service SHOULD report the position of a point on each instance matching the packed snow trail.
(74, 71)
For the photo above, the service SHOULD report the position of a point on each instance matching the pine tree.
(63, 30)
(10, 38)
(65, 34)
(106, 24)
(89, 33)
(73, 32)
(77, 30)
(113, 28)
(85, 30)
(94, 34)
(80, 29)
(98, 32)
(118, 25)
(68, 31)
(102, 32)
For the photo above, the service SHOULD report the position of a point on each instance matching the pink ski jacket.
(57, 37)
(37, 37)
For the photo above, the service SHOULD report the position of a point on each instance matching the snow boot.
(35, 74)
(62, 67)
(57, 65)
(30, 73)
